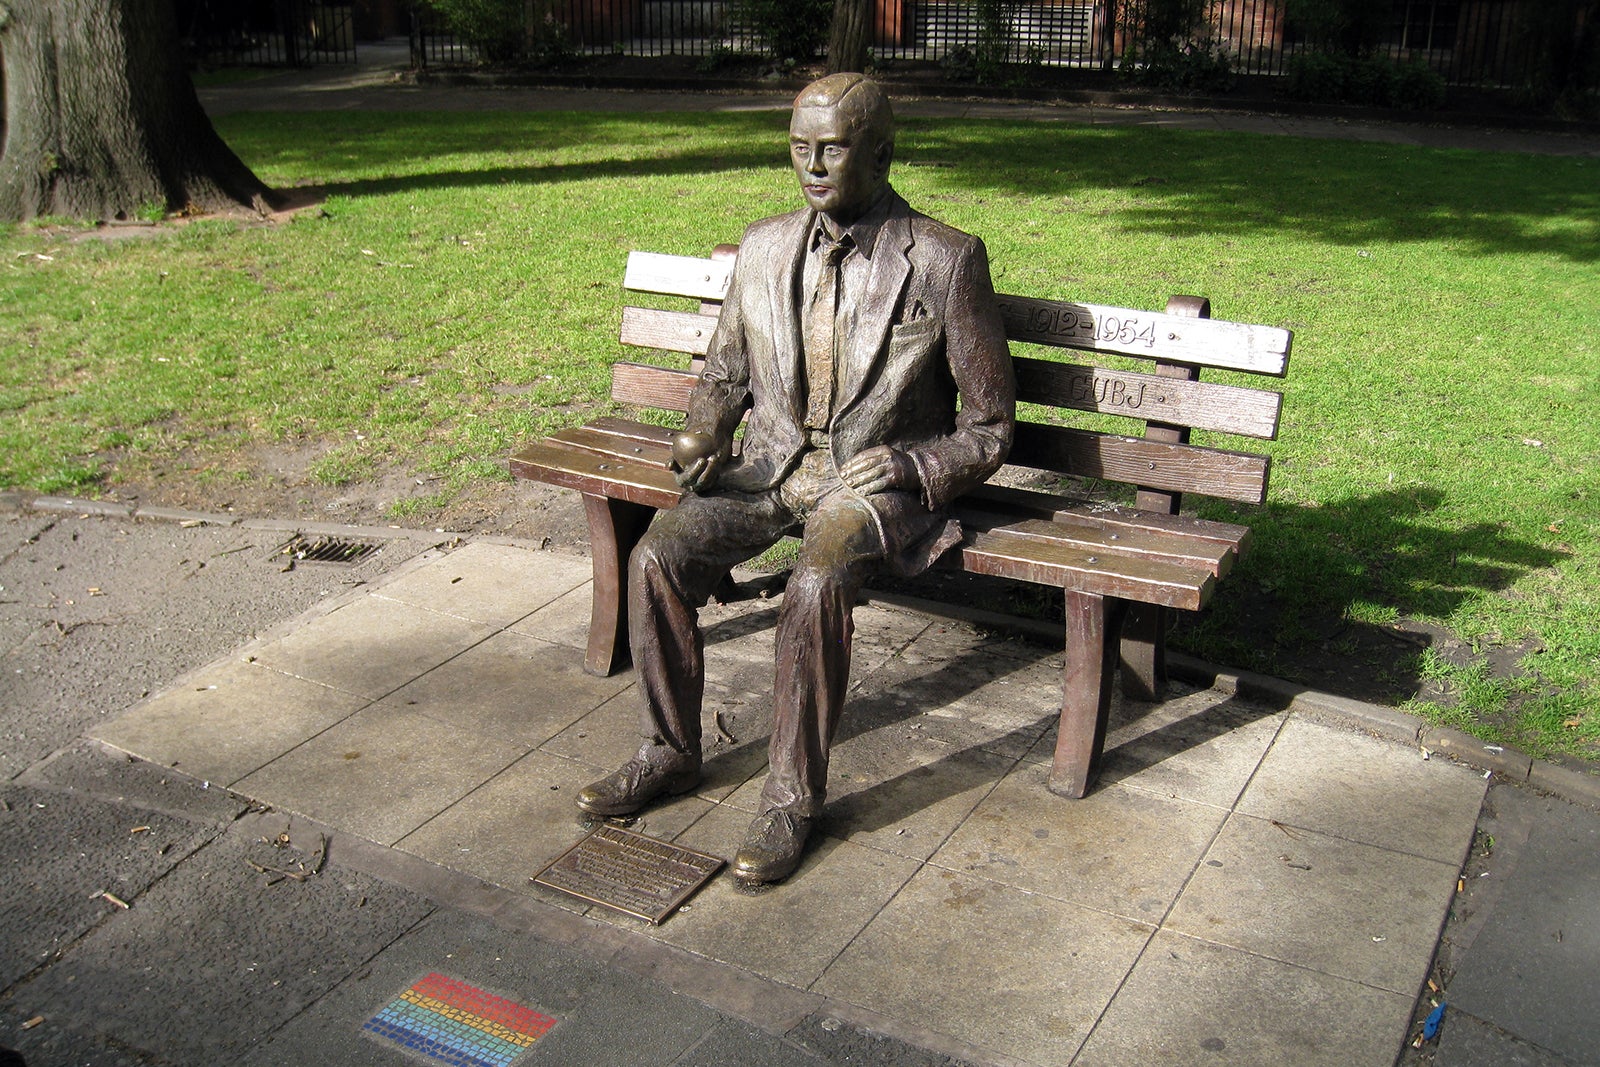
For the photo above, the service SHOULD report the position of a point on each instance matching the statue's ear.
(881, 162)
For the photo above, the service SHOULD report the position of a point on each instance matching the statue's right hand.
(696, 460)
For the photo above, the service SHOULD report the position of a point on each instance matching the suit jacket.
(926, 330)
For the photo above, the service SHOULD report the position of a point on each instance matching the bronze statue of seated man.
(863, 341)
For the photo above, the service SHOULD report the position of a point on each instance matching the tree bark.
(101, 119)
(850, 36)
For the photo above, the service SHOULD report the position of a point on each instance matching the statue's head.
(841, 140)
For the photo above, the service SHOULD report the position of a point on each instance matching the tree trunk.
(850, 37)
(101, 119)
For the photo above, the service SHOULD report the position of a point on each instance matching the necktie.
(820, 317)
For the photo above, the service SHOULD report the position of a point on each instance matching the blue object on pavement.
(1430, 1028)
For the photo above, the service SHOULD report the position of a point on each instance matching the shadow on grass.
(1311, 601)
(693, 163)
(1181, 183)
(1205, 184)
(615, 146)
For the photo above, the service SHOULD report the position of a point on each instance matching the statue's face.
(841, 171)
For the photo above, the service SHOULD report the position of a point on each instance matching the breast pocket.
(909, 340)
(912, 349)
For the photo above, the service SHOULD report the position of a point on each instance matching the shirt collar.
(863, 232)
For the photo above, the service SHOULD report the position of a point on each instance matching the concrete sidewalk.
(315, 817)
(1244, 882)
(1236, 864)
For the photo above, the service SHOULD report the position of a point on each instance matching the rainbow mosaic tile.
(452, 1022)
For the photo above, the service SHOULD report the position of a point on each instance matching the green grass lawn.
(460, 292)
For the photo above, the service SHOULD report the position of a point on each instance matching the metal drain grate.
(303, 549)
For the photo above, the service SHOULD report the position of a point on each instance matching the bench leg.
(1144, 652)
(1093, 623)
(615, 526)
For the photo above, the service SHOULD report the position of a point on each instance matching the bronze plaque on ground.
(632, 873)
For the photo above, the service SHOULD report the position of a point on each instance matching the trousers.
(690, 548)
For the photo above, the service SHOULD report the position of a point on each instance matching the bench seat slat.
(647, 446)
(1059, 509)
(1105, 543)
(1136, 461)
(558, 464)
(1009, 555)
(600, 443)
(636, 431)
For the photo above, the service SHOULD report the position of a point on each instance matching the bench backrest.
(1167, 401)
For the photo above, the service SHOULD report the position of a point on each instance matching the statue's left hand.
(697, 459)
(879, 469)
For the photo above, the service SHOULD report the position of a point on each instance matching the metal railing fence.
(1477, 43)
(268, 33)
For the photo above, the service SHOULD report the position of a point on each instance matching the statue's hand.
(879, 469)
(697, 458)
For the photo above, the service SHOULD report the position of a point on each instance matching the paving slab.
(382, 772)
(488, 583)
(1355, 911)
(371, 646)
(512, 826)
(1203, 746)
(1119, 849)
(563, 621)
(1017, 973)
(1343, 783)
(228, 720)
(788, 933)
(61, 852)
(1465, 1041)
(519, 688)
(946, 685)
(899, 794)
(1188, 1003)
(606, 737)
(87, 768)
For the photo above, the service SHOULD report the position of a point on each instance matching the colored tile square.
(448, 1021)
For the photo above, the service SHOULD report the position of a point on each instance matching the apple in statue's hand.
(688, 447)
(697, 458)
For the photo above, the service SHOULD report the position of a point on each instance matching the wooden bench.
(1122, 566)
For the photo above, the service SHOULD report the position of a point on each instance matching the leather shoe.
(772, 848)
(637, 783)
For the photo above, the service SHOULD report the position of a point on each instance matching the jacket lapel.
(787, 255)
(891, 269)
